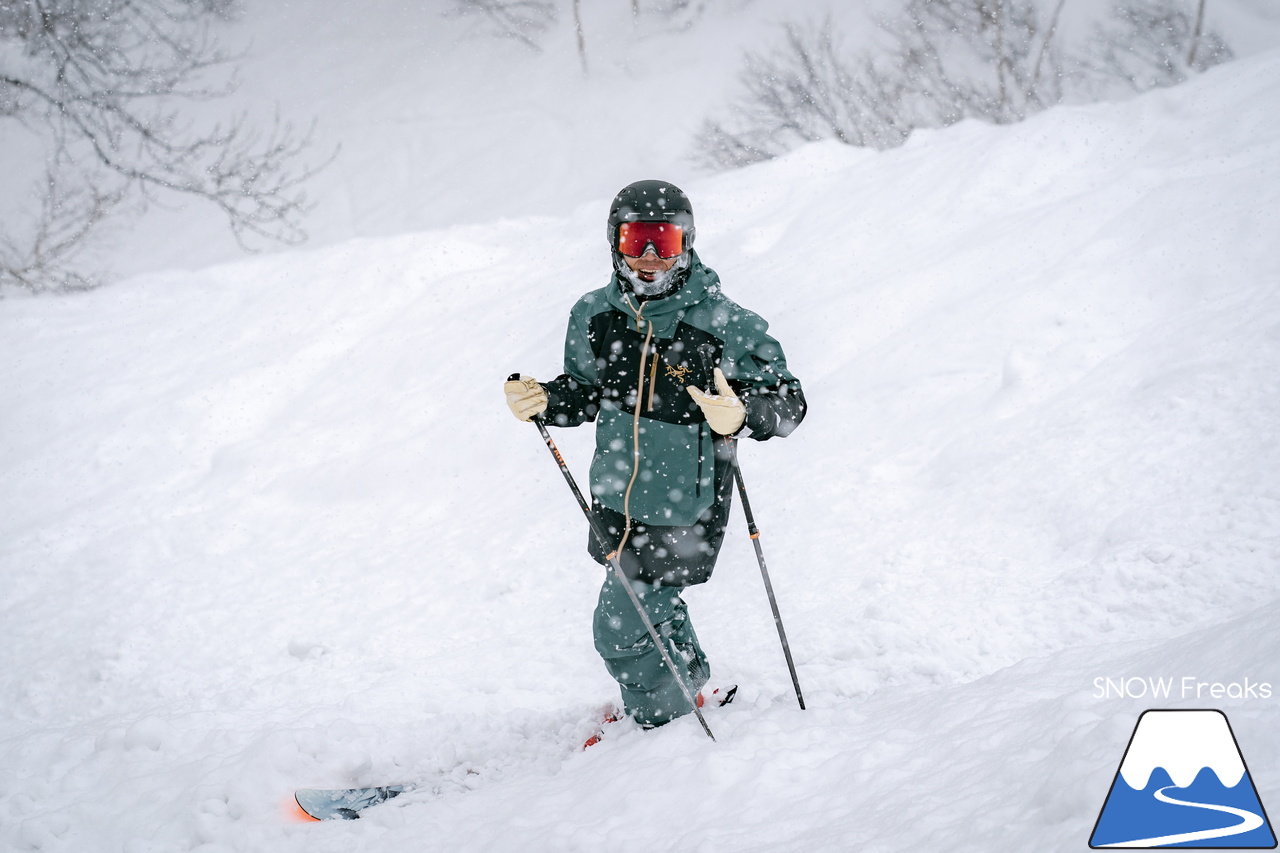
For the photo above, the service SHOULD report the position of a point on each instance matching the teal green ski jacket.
(627, 364)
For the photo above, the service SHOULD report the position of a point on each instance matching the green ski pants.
(649, 692)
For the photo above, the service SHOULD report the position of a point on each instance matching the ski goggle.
(635, 237)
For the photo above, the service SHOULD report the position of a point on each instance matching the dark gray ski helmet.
(651, 201)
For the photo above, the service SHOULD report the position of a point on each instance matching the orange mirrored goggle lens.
(634, 237)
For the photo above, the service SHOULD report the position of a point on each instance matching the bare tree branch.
(1148, 43)
(1195, 35)
(946, 60)
(67, 217)
(580, 34)
(1045, 44)
(102, 83)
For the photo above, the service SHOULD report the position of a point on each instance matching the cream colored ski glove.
(724, 411)
(525, 397)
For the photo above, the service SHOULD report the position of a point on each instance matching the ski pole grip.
(537, 419)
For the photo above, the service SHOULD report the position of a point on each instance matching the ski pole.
(707, 353)
(614, 561)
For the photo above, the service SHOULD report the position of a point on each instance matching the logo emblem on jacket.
(678, 373)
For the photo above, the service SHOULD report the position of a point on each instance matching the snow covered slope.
(269, 525)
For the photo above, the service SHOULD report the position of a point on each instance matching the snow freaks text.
(1185, 687)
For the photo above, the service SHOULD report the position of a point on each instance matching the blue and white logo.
(1183, 783)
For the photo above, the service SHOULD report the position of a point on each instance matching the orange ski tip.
(295, 814)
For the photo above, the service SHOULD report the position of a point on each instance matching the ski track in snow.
(268, 525)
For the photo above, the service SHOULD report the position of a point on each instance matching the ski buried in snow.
(344, 803)
(348, 803)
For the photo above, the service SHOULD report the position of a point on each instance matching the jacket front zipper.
(635, 431)
(697, 485)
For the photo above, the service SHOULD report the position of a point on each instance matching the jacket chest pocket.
(669, 373)
(655, 384)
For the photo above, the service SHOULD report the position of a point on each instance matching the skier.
(638, 354)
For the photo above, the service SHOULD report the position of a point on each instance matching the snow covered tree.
(985, 57)
(942, 61)
(100, 84)
(1150, 43)
(945, 60)
(806, 90)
